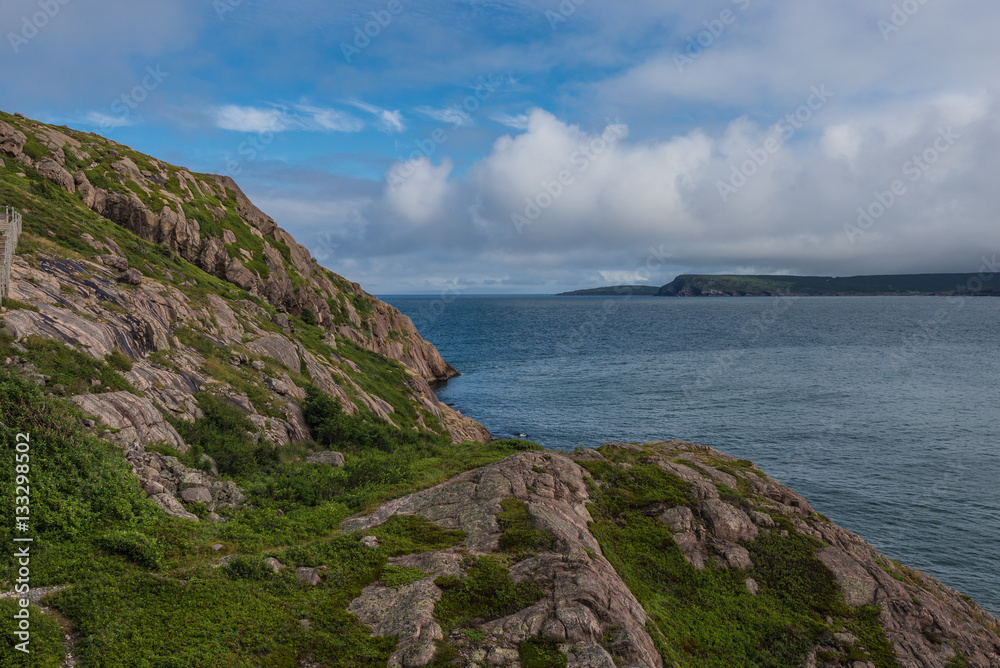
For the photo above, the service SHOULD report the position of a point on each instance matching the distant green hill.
(903, 284)
(615, 291)
(703, 285)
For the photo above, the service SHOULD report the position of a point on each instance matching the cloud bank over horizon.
(537, 146)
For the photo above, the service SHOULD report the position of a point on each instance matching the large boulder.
(135, 418)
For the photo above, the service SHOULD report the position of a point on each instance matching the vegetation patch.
(400, 576)
(135, 546)
(541, 653)
(46, 644)
(248, 568)
(707, 617)
(224, 434)
(519, 533)
(13, 305)
(67, 366)
(487, 592)
(119, 361)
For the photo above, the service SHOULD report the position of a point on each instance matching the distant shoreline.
(903, 285)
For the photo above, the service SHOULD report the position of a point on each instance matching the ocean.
(884, 412)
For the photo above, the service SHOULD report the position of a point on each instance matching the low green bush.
(135, 546)
(519, 534)
(45, 644)
(119, 360)
(541, 653)
(487, 592)
(248, 568)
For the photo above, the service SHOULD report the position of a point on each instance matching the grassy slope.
(144, 592)
(707, 618)
(55, 222)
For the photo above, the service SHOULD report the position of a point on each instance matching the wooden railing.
(10, 230)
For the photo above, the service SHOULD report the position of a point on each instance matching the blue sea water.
(884, 412)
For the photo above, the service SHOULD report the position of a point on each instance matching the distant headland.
(703, 285)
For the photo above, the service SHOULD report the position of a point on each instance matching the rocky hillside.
(123, 252)
(667, 554)
(236, 459)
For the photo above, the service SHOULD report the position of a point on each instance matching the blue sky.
(538, 145)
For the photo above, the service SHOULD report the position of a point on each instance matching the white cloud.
(391, 121)
(519, 122)
(621, 198)
(250, 119)
(332, 120)
(455, 116)
(421, 195)
(107, 121)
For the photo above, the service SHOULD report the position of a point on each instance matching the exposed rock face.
(161, 219)
(328, 458)
(586, 602)
(168, 483)
(589, 609)
(135, 417)
(915, 608)
(82, 304)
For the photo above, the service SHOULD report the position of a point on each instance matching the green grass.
(400, 576)
(957, 661)
(34, 149)
(45, 646)
(134, 546)
(519, 535)
(486, 593)
(13, 305)
(119, 361)
(541, 653)
(81, 487)
(67, 366)
(707, 618)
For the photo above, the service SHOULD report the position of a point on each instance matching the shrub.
(223, 432)
(400, 576)
(34, 149)
(541, 653)
(119, 360)
(519, 532)
(248, 568)
(46, 640)
(487, 592)
(134, 546)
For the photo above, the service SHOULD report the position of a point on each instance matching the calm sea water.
(883, 412)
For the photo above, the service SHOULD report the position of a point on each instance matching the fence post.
(10, 230)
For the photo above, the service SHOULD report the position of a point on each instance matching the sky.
(535, 146)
